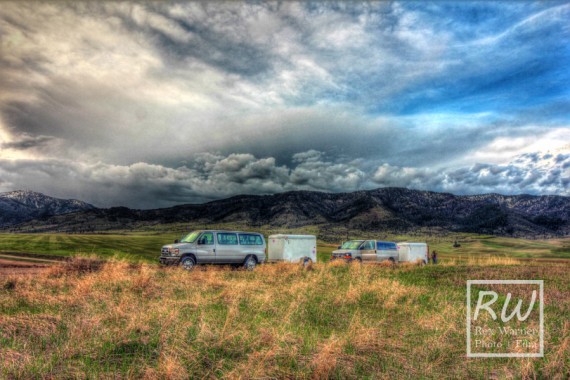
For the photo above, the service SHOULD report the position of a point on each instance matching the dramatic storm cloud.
(155, 104)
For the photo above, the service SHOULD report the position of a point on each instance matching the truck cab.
(366, 251)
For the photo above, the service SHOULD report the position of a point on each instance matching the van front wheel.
(250, 263)
(187, 263)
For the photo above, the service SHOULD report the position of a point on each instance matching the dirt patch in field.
(21, 267)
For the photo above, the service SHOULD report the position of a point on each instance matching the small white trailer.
(411, 252)
(292, 248)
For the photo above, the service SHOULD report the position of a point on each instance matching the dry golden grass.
(119, 320)
(486, 260)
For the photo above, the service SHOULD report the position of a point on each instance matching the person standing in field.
(434, 257)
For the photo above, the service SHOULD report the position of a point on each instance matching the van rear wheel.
(250, 263)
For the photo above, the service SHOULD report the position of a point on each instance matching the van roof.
(232, 232)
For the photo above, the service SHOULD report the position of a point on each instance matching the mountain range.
(396, 210)
(22, 206)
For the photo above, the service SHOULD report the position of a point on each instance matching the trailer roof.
(285, 236)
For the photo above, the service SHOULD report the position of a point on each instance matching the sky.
(150, 105)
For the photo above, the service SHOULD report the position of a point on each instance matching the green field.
(145, 246)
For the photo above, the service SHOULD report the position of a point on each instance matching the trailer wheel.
(306, 262)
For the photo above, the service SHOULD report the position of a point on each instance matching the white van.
(292, 248)
(215, 247)
(412, 252)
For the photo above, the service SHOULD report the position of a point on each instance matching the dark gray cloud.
(26, 142)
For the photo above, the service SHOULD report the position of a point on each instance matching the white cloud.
(209, 176)
(112, 97)
(533, 173)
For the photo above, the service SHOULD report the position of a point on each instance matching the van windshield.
(352, 244)
(191, 237)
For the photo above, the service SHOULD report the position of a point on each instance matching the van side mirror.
(176, 241)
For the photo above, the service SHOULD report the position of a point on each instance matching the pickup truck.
(366, 251)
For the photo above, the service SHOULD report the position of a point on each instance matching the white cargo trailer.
(292, 248)
(412, 252)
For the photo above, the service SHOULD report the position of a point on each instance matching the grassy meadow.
(126, 317)
(118, 319)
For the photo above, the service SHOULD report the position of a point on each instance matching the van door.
(367, 251)
(206, 248)
(228, 250)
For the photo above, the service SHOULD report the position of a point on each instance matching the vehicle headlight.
(174, 251)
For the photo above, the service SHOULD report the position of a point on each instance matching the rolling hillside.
(385, 209)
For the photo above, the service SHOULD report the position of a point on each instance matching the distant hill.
(22, 206)
(385, 209)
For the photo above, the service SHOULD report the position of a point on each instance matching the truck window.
(385, 246)
(367, 245)
(250, 239)
(207, 238)
(225, 238)
(352, 244)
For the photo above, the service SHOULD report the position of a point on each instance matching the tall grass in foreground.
(117, 319)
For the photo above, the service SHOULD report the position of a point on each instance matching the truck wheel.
(250, 263)
(392, 261)
(358, 260)
(187, 263)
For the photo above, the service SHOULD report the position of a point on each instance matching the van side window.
(225, 238)
(207, 238)
(250, 239)
(367, 245)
